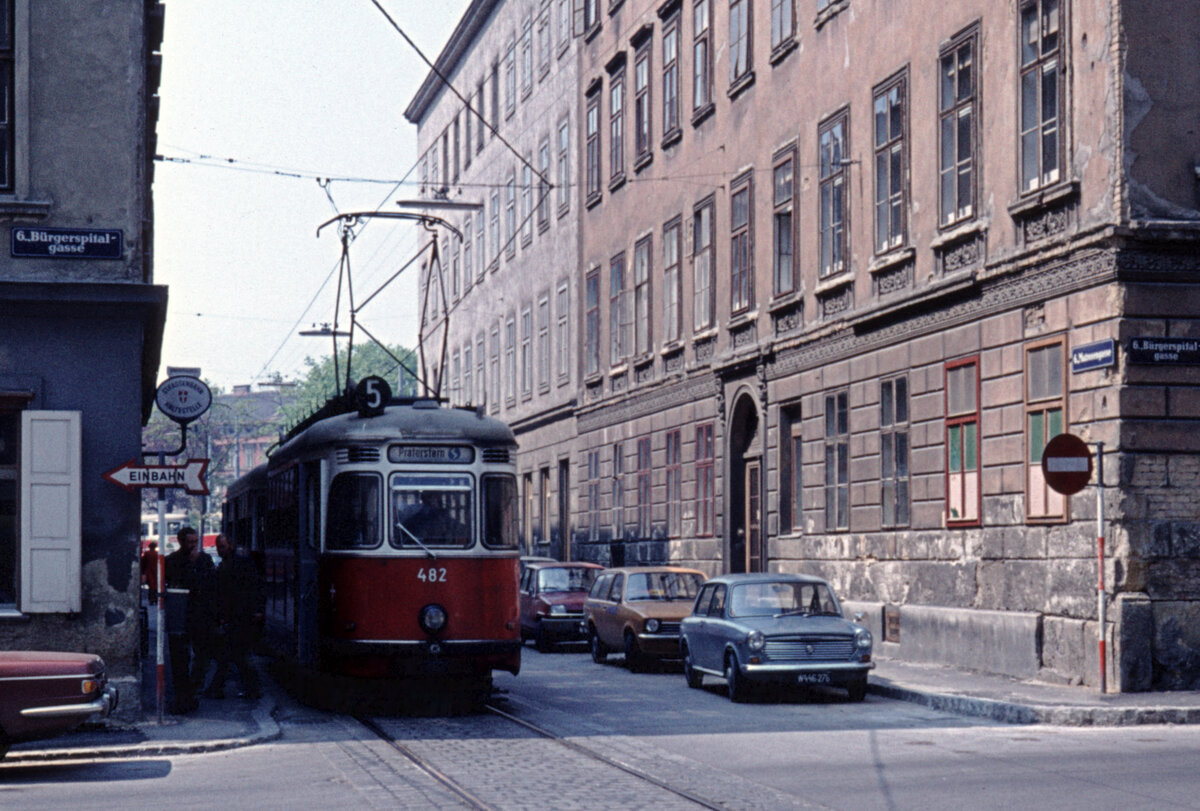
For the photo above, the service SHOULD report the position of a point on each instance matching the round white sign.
(183, 398)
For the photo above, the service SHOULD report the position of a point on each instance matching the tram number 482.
(433, 574)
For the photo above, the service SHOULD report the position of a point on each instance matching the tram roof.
(420, 420)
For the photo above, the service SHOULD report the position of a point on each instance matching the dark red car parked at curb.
(552, 595)
(43, 694)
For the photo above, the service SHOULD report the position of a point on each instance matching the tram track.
(471, 798)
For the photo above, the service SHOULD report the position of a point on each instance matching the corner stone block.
(1133, 636)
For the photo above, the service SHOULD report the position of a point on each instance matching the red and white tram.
(389, 543)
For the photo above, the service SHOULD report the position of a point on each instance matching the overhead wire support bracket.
(351, 218)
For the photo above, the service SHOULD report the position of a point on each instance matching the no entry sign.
(1067, 464)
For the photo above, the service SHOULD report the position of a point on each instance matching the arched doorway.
(745, 490)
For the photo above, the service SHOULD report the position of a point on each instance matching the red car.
(44, 694)
(552, 596)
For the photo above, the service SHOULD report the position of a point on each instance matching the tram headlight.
(432, 618)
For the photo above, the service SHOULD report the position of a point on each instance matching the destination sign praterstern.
(431, 454)
(1164, 351)
(67, 243)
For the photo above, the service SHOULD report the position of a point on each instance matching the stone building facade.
(846, 266)
(80, 320)
(504, 301)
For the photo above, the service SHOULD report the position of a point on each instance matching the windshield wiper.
(791, 612)
(416, 540)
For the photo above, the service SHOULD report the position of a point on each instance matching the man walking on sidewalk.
(241, 602)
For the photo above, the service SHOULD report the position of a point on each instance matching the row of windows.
(531, 341)
(958, 187)
(535, 45)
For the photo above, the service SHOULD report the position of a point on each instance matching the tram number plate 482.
(434, 574)
(813, 678)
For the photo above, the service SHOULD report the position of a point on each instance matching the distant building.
(80, 319)
(846, 266)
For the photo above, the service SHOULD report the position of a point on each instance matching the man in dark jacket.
(188, 572)
(240, 603)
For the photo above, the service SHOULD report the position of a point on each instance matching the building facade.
(80, 320)
(846, 266)
(501, 298)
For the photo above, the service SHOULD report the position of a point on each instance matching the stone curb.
(267, 730)
(1060, 715)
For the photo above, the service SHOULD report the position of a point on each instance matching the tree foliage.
(320, 382)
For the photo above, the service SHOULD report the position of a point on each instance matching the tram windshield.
(431, 510)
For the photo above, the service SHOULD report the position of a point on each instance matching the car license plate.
(813, 678)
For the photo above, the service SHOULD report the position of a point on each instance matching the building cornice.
(470, 24)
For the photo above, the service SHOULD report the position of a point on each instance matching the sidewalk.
(233, 722)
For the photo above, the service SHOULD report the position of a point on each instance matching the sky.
(253, 93)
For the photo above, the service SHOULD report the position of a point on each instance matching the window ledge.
(672, 137)
(702, 113)
(786, 301)
(834, 283)
(563, 210)
(672, 348)
(829, 12)
(616, 182)
(543, 226)
(594, 199)
(642, 361)
(25, 209)
(703, 335)
(526, 240)
(781, 51)
(643, 161)
(890, 260)
(620, 369)
(495, 265)
(591, 33)
(958, 234)
(1048, 196)
(738, 87)
(742, 320)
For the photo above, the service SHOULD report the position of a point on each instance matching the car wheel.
(635, 660)
(857, 690)
(693, 676)
(738, 688)
(540, 640)
(599, 654)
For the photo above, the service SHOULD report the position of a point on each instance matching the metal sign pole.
(1100, 602)
(160, 613)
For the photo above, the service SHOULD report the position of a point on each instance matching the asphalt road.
(661, 746)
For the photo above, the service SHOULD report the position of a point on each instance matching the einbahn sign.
(133, 476)
(1067, 464)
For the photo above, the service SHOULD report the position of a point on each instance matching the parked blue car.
(780, 628)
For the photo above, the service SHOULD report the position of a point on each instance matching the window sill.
(898, 256)
(1044, 198)
(494, 266)
(670, 349)
(741, 84)
(785, 301)
(702, 113)
(543, 226)
(781, 51)
(526, 240)
(842, 279)
(593, 199)
(672, 137)
(620, 369)
(25, 209)
(704, 335)
(642, 361)
(616, 182)
(829, 12)
(591, 33)
(564, 210)
(953, 235)
(643, 161)
(741, 320)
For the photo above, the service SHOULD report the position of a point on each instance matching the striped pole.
(1100, 607)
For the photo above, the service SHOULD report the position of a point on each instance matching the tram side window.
(500, 520)
(354, 509)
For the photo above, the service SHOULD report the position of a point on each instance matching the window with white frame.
(543, 349)
(962, 442)
(510, 361)
(831, 138)
(641, 102)
(616, 121)
(510, 215)
(510, 80)
(543, 190)
(564, 166)
(670, 75)
(783, 23)
(740, 60)
(468, 384)
(672, 282)
(701, 55)
(592, 323)
(494, 388)
(891, 174)
(741, 267)
(957, 129)
(703, 262)
(526, 55)
(1041, 45)
(467, 251)
(618, 305)
(526, 353)
(642, 318)
(481, 390)
(526, 201)
(593, 144)
(783, 236)
(563, 342)
(494, 236)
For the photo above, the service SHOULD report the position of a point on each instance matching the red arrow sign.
(1067, 464)
(133, 476)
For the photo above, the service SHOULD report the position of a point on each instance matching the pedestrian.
(188, 574)
(149, 569)
(240, 605)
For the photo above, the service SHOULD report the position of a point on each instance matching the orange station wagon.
(637, 610)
